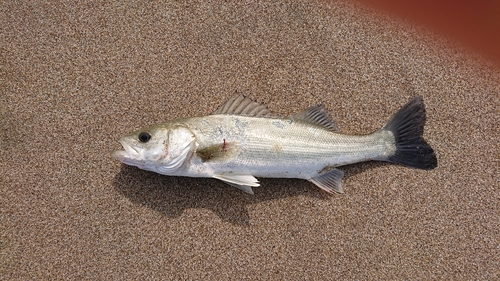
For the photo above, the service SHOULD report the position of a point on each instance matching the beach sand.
(75, 76)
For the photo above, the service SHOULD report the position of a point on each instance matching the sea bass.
(243, 140)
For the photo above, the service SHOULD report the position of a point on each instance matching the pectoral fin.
(220, 152)
(243, 182)
(329, 181)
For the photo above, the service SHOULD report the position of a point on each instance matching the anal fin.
(330, 181)
(243, 182)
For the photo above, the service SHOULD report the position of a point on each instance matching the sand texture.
(77, 75)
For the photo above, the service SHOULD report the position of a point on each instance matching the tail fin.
(407, 125)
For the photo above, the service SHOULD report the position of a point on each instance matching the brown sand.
(76, 76)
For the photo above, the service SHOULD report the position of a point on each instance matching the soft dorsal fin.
(241, 105)
(316, 115)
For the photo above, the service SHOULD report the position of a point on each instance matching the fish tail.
(407, 126)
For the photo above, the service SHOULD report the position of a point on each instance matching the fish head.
(161, 149)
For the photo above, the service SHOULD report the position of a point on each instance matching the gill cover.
(180, 144)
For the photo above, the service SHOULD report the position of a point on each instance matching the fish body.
(243, 140)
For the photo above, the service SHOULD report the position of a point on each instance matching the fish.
(243, 140)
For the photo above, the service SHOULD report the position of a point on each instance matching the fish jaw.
(133, 157)
(130, 155)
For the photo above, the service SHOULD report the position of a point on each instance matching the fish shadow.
(170, 196)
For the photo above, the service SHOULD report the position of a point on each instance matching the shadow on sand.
(172, 195)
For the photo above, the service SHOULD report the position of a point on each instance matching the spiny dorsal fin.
(316, 115)
(241, 105)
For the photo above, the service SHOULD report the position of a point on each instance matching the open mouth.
(125, 155)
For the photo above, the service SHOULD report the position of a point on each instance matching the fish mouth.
(127, 155)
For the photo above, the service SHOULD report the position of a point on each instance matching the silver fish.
(243, 140)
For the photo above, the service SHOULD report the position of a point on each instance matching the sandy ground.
(75, 76)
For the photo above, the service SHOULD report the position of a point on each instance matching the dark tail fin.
(407, 125)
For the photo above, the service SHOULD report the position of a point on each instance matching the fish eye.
(144, 136)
